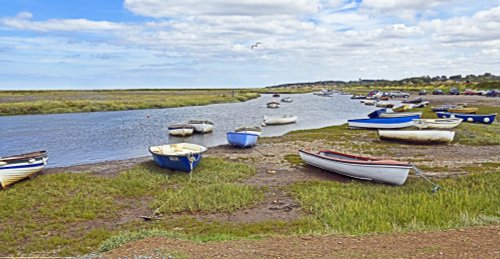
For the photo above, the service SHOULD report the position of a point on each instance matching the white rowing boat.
(437, 123)
(201, 126)
(277, 120)
(366, 168)
(17, 167)
(418, 136)
(182, 130)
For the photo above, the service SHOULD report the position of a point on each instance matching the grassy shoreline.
(70, 101)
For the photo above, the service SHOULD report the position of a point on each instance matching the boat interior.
(178, 149)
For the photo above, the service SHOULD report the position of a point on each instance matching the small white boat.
(437, 123)
(182, 130)
(366, 168)
(384, 104)
(256, 130)
(277, 120)
(17, 167)
(420, 105)
(369, 102)
(201, 126)
(273, 104)
(287, 100)
(399, 114)
(418, 136)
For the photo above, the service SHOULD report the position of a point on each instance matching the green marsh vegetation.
(362, 207)
(67, 101)
(72, 213)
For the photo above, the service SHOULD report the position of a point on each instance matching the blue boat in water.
(480, 118)
(242, 139)
(383, 123)
(181, 157)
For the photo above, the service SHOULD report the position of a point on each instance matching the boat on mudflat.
(437, 123)
(402, 108)
(240, 139)
(399, 114)
(17, 167)
(418, 136)
(201, 126)
(256, 130)
(480, 118)
(384, 104)
(383, 123)
(180, 130)
(465, 110)
(365, 168)
(181, 157)
(277, 120)
(415, 101)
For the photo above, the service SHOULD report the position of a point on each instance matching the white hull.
(380, 125)
(369, 102)
(437, 123)
(418, 136)
(390, 174)
(273, 105)
(181, 132)
(399, 114)
(203, 127)
(279, 120)
(11, 173)
(384, 104)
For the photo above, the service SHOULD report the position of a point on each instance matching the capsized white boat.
(384, 104)
(256, 130)
(201, 126)
(418, 136)
(399, 114)
(437, 123)
(366, 168)
(181, 130)
(276, 120)
(369, 102)
(17, 167)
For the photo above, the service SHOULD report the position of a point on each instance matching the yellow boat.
(402, 108)
(466, 110)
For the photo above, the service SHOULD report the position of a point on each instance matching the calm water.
(81, 138)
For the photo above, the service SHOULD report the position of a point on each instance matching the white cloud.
(482, 27)
(23, 22)
(173, 8)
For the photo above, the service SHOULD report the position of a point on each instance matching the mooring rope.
(421, 174)
(192, 159)
(267, 155)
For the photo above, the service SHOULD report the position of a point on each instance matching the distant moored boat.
(201, 126)
(181, 130)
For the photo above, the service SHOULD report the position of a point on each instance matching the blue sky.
(95, 44)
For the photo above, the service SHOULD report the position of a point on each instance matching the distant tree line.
(486, 78)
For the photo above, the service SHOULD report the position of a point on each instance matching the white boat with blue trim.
(17, 167)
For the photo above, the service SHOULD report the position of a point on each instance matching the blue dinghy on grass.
(383, 123)
(480, 118)
(241, 139)
(182, 156)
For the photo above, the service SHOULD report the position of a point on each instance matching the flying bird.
(256, 45)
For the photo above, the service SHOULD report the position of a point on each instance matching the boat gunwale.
(25, 156)
(204, 149)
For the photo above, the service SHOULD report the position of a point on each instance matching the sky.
(96, 44)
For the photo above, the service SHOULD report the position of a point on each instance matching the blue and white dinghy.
(383, 123)
(182, 156)
(242, 139)
(17, 167)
